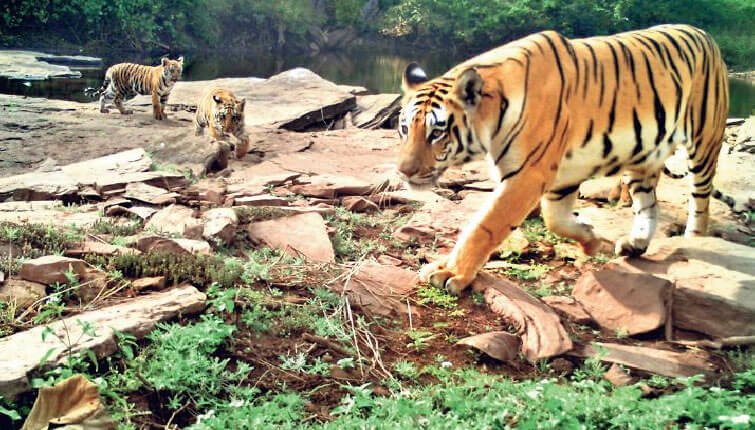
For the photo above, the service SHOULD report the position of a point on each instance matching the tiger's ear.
(242, 103)
(468, 88)
(181, 60)
(413, 76)
(165, 61)
(217, 99)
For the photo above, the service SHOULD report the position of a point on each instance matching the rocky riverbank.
(115, 207)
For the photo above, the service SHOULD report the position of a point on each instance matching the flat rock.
(94, 247)
(658, 361)
(374, 111)
(141, 212)
(359, 204)
(176, 219)
(714, 283)
(22, 293)
(153, 243)
(304, 234)
(51, 269)
(136, 317)
(146, 193)
(260, 200)
(332, 186)
(380, 289)
(105, 175)
(624, 302)
(568, 307)
(220, 225)
(43, 212)
(539, 326)
(31, 66)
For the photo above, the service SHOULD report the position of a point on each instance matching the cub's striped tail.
(91, 92)
(717, 194)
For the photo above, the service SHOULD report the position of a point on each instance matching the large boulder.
(298, 235)
(297, 99)
(176, 220)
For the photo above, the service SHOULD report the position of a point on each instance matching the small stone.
(22, 293)
(51, 269)
(261, 200)
(176, 219)
(617, 376)
(387, 260)
(153, 282)
(359, 204)
(220, 225)
(180, 246)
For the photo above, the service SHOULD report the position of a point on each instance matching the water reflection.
(377, 69)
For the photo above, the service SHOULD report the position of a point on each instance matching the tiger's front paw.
(630, 247)
(442, 275)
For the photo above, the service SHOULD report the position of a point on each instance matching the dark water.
(377, 69)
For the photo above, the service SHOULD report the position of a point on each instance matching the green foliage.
(432, 295)
(485, 24)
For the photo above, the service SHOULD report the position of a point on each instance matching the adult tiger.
(549, 113)
(223, 113)
(125, 80)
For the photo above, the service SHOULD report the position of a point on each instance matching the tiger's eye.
(437, 134)
(404, 130)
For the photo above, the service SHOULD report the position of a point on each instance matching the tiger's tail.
(717, 194)
(91, 92)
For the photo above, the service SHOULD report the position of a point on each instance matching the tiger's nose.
(408, 168)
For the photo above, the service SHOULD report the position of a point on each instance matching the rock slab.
(624, 302)
(714, 282)
(540, 328)
(136, 317)
(304, 234)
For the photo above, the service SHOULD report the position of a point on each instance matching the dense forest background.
(313, 25)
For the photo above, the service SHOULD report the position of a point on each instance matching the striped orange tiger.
(223, 114)
(549, 113)
(125, 80)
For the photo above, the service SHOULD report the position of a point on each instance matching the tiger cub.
(125, 80)
(223, 114)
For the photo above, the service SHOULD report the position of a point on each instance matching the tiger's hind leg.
(701, 182)
(118, 102)
(556, 209)
(108, 94)
(645, 209)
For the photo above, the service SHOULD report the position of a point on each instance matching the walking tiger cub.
(549, 113)
(223, 114)
(125, 80)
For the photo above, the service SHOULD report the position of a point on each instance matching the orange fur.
(549, 113)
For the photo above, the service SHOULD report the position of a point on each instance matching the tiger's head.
(228, 112)
(435, 125)
(172, 68)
